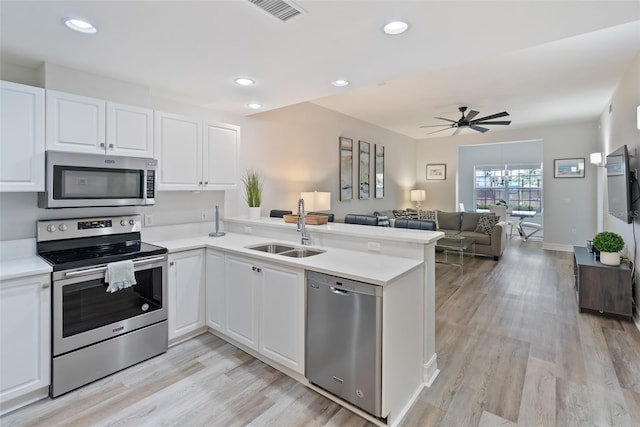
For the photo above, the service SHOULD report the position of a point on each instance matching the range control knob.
(51, 228)
(132, 221)
(63, 227)
(123, 222)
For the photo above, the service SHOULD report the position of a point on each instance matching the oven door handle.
(89, 271)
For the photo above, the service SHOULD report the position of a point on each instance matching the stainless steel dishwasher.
(344, 339)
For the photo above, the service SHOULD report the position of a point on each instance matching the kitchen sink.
(271, 248)
(301, 252)
(290, 251)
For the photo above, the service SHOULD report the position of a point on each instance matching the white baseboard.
(431, 370)
(557, 247)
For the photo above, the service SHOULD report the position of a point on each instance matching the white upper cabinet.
(22, 145)
(178, 145)
(129, 130)
(195, 155)
(75, 123)
(89, 125)
(221, 145)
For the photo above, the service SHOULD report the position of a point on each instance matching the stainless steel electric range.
(96, 333)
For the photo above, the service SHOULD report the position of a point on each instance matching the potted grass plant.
(609, 244)
(253, 192)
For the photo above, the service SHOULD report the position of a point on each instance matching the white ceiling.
(542, 61)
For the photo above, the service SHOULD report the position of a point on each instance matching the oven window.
(87, 305)
(72, 182)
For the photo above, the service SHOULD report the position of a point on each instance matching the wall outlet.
(148, 220)
(204, 216)
(373, 246)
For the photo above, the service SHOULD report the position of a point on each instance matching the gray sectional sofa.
(465, 223)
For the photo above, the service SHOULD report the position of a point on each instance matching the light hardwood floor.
(512, 349)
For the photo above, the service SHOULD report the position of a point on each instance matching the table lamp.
(418, 196)
(316, 201)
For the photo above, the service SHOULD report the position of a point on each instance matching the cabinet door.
(129, 130)
(282, 316)
(25, 330)
(186, 292)
(215, 279)
(22, 136)
(221, 145)
(241, 301)
(75, 123)
(178, 148)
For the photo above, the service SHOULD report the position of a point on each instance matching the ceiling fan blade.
(448, 120)
(436, 131)
(472, 114)
(499, 122)
(433, 126)
(478, 128)
(493, 116)
(457, 131)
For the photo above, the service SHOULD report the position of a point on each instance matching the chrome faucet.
(301, 223)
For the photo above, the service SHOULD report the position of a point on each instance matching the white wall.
(296, 149)
(617, 128)
(565, 200)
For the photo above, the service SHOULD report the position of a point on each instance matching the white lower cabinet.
(282, 315)
(186, 292)
(25, 334)
(215, 279)
(265, 309)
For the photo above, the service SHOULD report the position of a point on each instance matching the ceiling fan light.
(254, 105)
(340, 83)
(396, 27)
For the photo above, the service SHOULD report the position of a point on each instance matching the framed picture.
(437, 171)
(346, 168)
(379, 171)
(364, 169)
(568, 168)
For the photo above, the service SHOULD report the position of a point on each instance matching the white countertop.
(23, 267)
(362, 266)
(366, 231)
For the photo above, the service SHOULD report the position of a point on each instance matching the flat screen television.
(621, 185)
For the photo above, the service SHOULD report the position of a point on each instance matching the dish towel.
(119, 275)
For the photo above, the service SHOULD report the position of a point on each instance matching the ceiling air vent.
(278, 8)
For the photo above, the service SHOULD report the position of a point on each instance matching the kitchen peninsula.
(256, 300)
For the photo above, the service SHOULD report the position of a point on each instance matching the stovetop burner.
(112, 239)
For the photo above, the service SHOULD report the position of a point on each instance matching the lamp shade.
(418, 195)
(596, 158)
(316, 200)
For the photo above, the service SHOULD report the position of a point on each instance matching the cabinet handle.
(102, 144)
(45, 285)
(111, 146)
(258, 269)
(200, 183)
(206, 183)
(171, 263)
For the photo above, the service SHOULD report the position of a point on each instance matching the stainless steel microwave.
(76, 180)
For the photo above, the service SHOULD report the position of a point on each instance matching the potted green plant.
(609, 244)
(253, 192)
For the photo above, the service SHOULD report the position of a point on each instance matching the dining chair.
(461, 207)
(501, 212)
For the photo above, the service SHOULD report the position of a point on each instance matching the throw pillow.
(431, 216)
(449, 220)
(470, 221)
(486, 223)
(383, 221)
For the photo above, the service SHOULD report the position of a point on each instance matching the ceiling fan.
(469, 122)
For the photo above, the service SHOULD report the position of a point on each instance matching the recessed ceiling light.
(396, 27)
(80, 26)
(254, 105)
(244, 81)
(340, 83)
